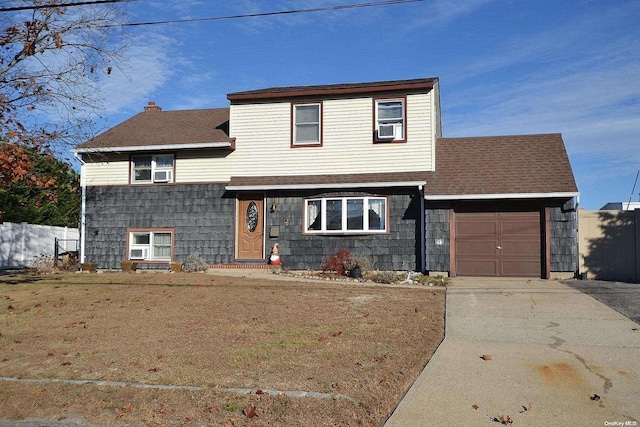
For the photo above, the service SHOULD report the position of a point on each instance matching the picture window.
(346, 215)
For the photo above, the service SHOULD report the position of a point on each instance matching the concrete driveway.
(553, 356)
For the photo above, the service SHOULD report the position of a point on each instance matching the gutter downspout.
(423, 238)
(83, 208)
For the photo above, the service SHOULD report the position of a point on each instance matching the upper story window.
(307, 124)
(346, 215)
(390, 120)
(152, 168)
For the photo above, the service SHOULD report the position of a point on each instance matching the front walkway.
(534, 352)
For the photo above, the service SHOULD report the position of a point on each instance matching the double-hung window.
(150, 169)
(307, 124)
(150, 245)
(346, 215)
(390, 120)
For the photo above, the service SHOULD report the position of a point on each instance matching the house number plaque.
(252, 217)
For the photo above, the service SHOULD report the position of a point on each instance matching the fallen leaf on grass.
(128, 408)
(65, 364)
(486, 357)
(525, 408)
(249, 411)
(504, 420)
(595, 397)
(336, 334)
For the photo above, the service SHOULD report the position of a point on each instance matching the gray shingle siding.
(564, 236)
(201, 215)
(396, 250)
(437, 227)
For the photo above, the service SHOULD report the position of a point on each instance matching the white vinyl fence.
(21, 243)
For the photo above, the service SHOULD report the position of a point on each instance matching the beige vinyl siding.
(263, 145)
(202, 166)
(609, 244)
(263, 140)
(112, 170)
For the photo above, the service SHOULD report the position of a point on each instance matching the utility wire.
(282, 12)
(47, 6)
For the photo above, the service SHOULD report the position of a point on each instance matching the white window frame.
(154, 168)
(148, 248)
(344, 218)
(295, 124)
(399, 123)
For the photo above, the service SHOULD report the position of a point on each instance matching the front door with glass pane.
(250, 227)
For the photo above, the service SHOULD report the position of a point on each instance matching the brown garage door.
(498, 244)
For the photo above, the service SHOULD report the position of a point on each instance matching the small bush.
(338, 262)
(384, 277)
(343, 261)
(195, 262)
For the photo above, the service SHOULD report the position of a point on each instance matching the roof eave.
(132, 148)
(502, 196)
(266, 187)
(329, 90)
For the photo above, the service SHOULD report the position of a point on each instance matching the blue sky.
(505, 66)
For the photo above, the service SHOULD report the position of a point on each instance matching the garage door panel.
(478, 267)
(521, 268)
(515, 229)
(523, 249)
(477, 248)
(477, 227)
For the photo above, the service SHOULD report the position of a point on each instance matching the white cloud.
(149, 66)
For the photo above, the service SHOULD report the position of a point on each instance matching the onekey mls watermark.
(621, 423)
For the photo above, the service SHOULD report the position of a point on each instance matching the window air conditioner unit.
(387, 131)
(162, 176)
(139, 253)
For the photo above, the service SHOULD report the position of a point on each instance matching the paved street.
(622, 297)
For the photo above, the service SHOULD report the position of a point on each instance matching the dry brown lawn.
(363, 344)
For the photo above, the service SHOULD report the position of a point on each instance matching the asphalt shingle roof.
(150, 128)
(514, 164)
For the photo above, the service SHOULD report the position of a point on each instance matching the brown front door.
(498, 244)
(250, 227)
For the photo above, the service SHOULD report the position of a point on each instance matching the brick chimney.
(151, 106)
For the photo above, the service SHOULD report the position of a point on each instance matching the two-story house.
(316, 169)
